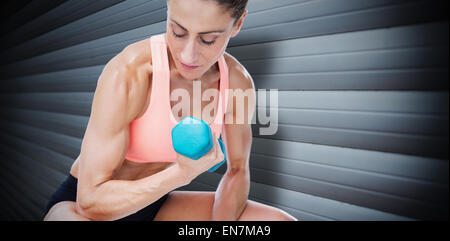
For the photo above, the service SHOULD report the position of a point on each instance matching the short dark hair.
(237, 7)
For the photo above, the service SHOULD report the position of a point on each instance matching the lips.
(188, 67)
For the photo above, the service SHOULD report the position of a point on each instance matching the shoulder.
(128, 74)
(131, 66)
(239, 77)
(137, 54)
(240, 82)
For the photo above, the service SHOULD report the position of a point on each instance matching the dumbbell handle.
(222, 147)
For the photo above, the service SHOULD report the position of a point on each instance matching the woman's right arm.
(105, 144)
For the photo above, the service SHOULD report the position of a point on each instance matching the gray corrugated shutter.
(363, 102)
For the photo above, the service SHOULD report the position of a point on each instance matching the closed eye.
(208, 42)
(177, 35)
(203, 41)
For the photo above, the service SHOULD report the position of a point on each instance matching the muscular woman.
(127, 168)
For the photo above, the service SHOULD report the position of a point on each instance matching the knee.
(65, 210)
(277, 214)
(53, 212)
(284, 216)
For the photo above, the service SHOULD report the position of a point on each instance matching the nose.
(189, 54)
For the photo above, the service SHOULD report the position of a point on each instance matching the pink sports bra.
(150, 137)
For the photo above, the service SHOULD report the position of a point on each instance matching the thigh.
(186, 205)
(64, 211)
(197, 206)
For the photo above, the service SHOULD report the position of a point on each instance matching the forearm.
(231, 195)
(115, 199)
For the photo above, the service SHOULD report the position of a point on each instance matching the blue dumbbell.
(192, 138)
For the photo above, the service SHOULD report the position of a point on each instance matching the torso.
(130, 170)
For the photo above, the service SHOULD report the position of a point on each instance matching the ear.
(239, 24)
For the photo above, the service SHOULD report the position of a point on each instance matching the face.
(198, 33)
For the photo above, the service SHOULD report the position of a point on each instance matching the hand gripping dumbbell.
(192, 138)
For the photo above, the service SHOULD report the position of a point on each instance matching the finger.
(220, 155)
(181, 157)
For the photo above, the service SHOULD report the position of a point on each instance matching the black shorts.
(67, 191)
